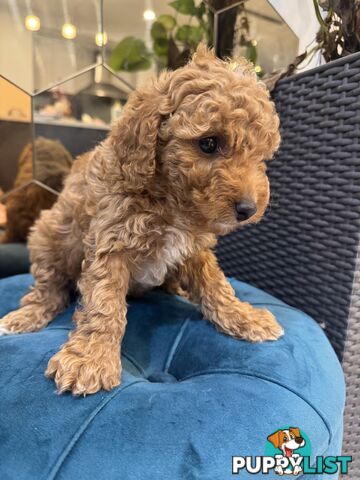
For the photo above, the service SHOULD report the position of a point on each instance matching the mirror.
(50, 41)
(15, 137)
(70, 70)
(253, 29)
(146, 36)
(16, 53)
(77, 114)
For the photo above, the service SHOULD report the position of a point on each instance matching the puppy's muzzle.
(245, 209)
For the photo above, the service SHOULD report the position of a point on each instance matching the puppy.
(24, 204)
(184, 163)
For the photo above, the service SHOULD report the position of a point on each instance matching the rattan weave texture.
(304, 250)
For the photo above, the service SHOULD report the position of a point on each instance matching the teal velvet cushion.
(190, 397)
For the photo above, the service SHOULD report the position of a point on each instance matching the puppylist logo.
(288, 452)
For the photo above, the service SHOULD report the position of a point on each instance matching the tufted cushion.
(190, 397)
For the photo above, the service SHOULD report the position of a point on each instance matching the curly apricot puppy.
(23, 205)
(184, 163)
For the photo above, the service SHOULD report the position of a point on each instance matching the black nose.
(245, 209)
(299, 440)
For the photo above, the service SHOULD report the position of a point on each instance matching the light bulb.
(101, 39)
(258, 69)
(32, 23)
(68, 31)
(149, 15)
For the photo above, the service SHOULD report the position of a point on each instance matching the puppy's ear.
(134, 138)
(295, 431)
(276, 438)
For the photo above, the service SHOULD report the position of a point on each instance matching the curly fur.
(144, 209)
(23, 206)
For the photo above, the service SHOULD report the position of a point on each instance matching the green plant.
(172, 44)
(339, 33)
(338, 36)
(131, 55)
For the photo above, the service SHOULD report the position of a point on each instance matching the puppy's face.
(287, 440)
(214, 145)
(200, 136)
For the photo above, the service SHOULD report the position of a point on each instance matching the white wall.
(300, 16)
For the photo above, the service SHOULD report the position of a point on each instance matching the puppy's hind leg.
(51, 291)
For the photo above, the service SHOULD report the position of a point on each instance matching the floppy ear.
(295, 431)
(134, 138)
(276, 438)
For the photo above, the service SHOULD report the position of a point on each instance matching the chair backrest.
(305, 249)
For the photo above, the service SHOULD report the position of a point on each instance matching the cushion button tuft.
(161, 377)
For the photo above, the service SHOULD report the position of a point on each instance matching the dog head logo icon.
(287, 441)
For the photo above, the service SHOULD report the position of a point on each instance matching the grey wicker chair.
(305, 250)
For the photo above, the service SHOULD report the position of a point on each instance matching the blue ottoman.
(190, 398)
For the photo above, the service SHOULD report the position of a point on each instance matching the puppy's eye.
(208, 145)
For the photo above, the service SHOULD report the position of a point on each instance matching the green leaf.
(187, 7)
(158, 31)
(189, 35)
(319, 16)
(251, 53)
(200, 10)
(130, 55)
(168, 22)
(161, 46)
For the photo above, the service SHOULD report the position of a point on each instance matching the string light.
(68, 31)
(32, 23)
(149, 15)
(101, 39)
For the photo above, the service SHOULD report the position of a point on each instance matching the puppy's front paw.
(23, 320)
(249, 323)
(85, 367)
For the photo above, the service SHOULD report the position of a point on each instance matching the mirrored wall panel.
(145, 36)
(15, 137)
(72, 118)
(253, 29)
(80, 63)
(50, 40)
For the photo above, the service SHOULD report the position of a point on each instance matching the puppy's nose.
(245, 209)
(299, 440)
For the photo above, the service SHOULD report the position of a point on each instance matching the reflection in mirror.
(256, 31)
(20, 210)
(52, 163)
(151, 35)
(69, 34)
(51, 40)
(133, 28)
(77, 113)
(218, 5)
(16, 44)
(92, 99)
(22, 205)
(15, 135)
